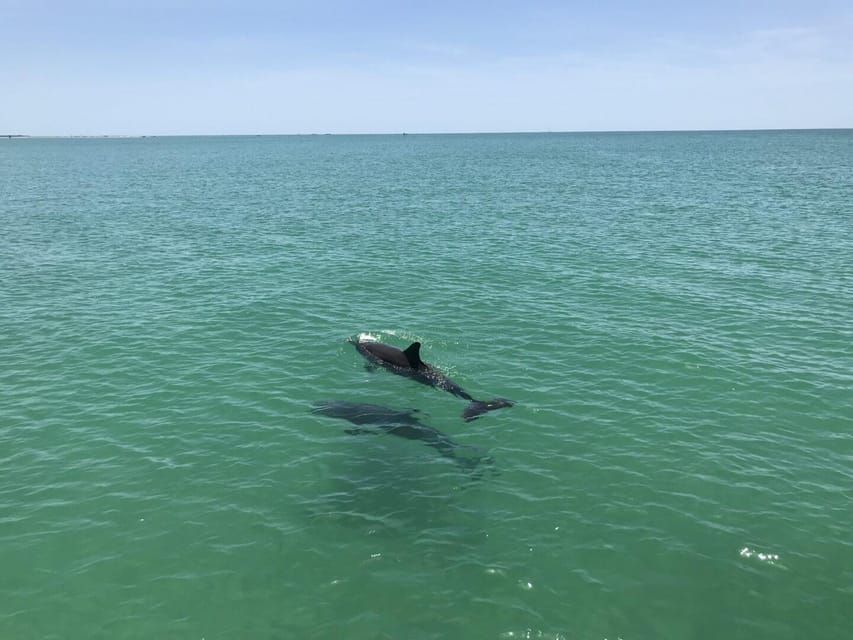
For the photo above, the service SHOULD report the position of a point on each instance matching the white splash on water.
(770, 558)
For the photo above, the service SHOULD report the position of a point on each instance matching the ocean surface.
(672, 314)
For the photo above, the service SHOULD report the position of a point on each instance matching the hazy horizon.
(6, 136)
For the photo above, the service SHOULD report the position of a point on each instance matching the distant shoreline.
(10, 136)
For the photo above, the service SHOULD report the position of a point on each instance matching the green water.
(671, 312)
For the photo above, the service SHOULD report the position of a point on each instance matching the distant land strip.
(105, 135)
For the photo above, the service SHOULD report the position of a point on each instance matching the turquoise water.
(671, 312)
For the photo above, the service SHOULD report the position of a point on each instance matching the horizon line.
(19, 136)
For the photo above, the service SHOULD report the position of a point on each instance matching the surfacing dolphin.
(407, 362)
(403, 424)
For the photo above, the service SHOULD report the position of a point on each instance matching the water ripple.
(671, 317)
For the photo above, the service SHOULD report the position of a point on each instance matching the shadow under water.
(373, 419)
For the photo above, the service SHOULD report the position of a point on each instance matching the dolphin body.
(407, 362)
(374, 418)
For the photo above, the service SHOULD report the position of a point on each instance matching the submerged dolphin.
(407, 362)
(403, 424)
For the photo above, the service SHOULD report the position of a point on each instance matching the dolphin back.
(407, 362)
(404, 424)
(362, 413)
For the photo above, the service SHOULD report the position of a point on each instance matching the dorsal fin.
(413, 355)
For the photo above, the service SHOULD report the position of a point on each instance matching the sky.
(192, 67)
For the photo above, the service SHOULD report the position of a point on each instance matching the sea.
(670, 313)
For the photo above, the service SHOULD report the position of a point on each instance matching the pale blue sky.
(227, 67)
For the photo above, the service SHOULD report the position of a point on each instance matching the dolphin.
(407, 362)
(403, 424)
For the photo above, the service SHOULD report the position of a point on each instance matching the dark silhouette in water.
(407, 362)
(374, 418)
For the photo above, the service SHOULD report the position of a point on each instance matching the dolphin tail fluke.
(478, 407)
